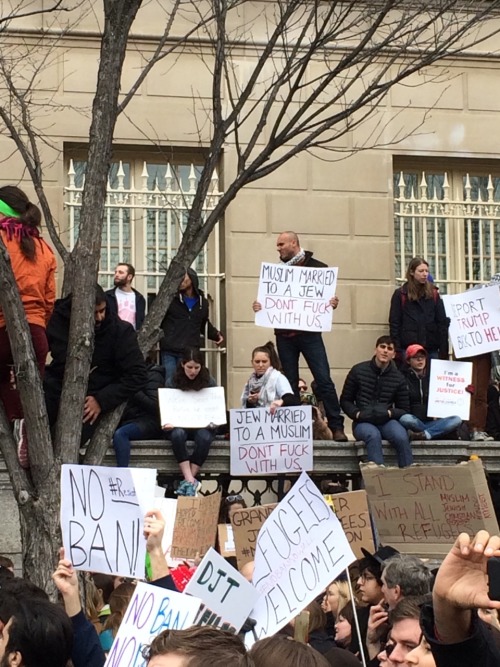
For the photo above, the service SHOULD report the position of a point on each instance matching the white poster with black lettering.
(102, 517)
(474, 321)
(296, 297)
(263, 443)
(448, 395)
(300, 549)
(227, 596)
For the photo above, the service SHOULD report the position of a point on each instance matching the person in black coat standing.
(184, 324)
(118, 370)
(291, 344)
(417, 313)
(375, 396)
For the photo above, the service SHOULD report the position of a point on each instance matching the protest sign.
(301, 548)
(246, 524)
(226, 595)
(192, 409)
(151, 610)
(447, 394)
(474, 321)
(195, 527)
(226, 540)
(422, 509)
(266, 443)
(102, 517)
(352, 511)
(296, 297)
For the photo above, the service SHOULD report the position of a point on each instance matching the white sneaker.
(480, 436)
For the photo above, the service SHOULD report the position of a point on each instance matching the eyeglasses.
(234, 499)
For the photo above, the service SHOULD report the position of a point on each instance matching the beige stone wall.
(341, 209)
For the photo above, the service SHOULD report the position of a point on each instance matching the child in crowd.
(191, 375)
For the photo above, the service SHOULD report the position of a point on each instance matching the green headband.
(8, 211)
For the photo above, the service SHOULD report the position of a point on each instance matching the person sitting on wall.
(375, 397)
(267, 387)
(191, 375)
(141, 419)
(419, 425)
(118, 366)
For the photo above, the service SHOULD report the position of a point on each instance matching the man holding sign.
(291, 343)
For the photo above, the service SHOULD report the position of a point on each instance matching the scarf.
(264, 384)
(297, 259)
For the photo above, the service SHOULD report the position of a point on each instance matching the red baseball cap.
(413, 350)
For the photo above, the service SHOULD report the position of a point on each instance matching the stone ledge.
(329, 457)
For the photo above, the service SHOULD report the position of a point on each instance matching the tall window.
(147, 206)
(450, 215)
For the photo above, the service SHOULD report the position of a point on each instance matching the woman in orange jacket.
(34, 265)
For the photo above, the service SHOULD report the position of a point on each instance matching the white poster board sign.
(192, 409)
(102, 517)
(447, 383)
(300, 549)
(474, 321)
(151, 610)
(266, 443)
(226, 595)
(296, 297)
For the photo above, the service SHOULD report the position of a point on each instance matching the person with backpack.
(417, 314)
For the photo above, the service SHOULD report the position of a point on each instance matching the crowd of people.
(386, 610)
(386, 397)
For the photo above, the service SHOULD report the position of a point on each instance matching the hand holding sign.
(66, 582)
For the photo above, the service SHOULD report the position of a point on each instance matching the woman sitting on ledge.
(267, 387)
(191, 375)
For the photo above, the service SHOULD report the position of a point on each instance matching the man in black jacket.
(124, 300)
(291, 344)
(118, 369)
(375, 397)
(184, 324)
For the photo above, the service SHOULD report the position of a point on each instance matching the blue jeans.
(202, 437)
(312, 347)
(392, 431)
(433, 428)
(131, 431)
(170, 360)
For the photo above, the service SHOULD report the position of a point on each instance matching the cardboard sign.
(227, 597)
(266, 443)
(447, 382)
(227, 547)
(296, 297)
(422, 509)
(151, 610)
(246, 525)
(195, 527)
(102, 517)
(352, 511)
(301, 548)
(474, 321)
(193, 409)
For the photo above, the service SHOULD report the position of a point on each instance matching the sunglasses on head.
(234, 499)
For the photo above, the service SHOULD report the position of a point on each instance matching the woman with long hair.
(34, 266)
(118, 603)
(267, 387)
(191, 375)
(417, 313)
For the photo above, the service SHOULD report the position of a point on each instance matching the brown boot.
(416, 435)
(339, 435)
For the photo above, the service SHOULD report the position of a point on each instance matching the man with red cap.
(419, 425)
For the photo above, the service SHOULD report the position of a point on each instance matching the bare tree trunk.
(119, 16)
